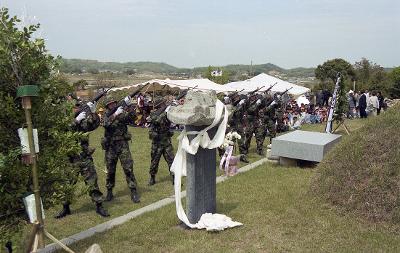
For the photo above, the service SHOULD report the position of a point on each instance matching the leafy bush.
(25, 61)
(362, 173)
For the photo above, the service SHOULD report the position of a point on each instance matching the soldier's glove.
(272, 104)
(127, 100)
(119, 111)
(242, 101)
(80, 117)
(258, 102)
(92, 106)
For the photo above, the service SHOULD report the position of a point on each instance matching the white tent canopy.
(202, 84)
(267, 81)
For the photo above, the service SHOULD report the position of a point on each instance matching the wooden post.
(201, 179)
(26, 104)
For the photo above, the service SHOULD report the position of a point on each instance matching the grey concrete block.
(304, 145)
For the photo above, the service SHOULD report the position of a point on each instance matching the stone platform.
(302, 145)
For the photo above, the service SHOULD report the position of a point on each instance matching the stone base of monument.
(302, 145)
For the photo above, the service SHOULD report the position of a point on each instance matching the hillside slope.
(362, 173)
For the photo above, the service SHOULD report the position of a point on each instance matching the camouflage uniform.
(116, 146)
(259, 127)
(160, 134)
(248, 123)
(270, 119)
(236, 122)
(280, 126)
(84, 161)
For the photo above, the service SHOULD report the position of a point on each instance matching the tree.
(25, 61)
(370, 76)
(223, 78)
(80, 84)
(93, 71)
(327, 73)
(394, 89)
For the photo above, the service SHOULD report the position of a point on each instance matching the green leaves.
(24, 60)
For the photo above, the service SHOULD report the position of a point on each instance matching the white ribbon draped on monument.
(211, 222)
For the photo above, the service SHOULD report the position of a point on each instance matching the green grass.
(83, 210)
(362, 173)
(278, 214)
(274, 203)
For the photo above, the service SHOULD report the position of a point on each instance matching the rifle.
(251, 93)
(267, 90)
(85, 107)
(179, 97)
(234, 93)
(283, 93)
(122, 101)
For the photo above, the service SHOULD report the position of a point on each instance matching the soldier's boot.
(110, 195)
(152, 180)
(261, 152)
(101, 211)
(135, 196)
(64, 212)
(243, 158)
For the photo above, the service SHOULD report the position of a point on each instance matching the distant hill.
(237, 70)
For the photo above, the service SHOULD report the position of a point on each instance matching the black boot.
(152, 180)
(64, 212)
(135, 196)
(110, 195)
(101, 211)
(9, 247)
(243, 158)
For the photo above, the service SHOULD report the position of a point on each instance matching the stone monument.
(302, 145)
(195, 114)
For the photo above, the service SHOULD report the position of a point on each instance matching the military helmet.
(109, 100)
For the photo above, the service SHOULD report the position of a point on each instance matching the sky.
(186, 33)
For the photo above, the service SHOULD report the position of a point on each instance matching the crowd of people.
(253, 114)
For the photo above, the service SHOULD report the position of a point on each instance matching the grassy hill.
(362, 174)
(81, 65)
(71, 65)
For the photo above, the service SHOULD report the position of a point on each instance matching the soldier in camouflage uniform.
(279, 113)
(270, 118)
(259, 125)
(248, 121)
(160, 134)
(86, 122)
(116, 146)
(237, 122)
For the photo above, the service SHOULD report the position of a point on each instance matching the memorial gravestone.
(302, 145)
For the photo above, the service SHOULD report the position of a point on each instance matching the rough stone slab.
(103, 227)
(304, 145)
(197, 110)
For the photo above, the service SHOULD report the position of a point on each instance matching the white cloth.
(207, 221)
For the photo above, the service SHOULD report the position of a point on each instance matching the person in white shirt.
(373, 104)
